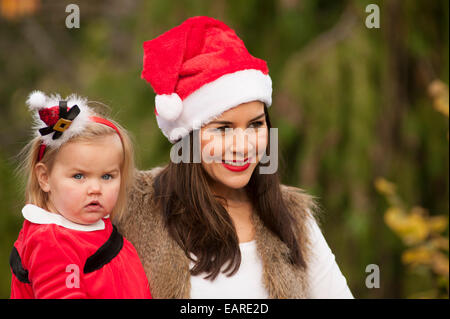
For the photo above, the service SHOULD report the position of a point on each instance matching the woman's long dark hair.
(200, 224)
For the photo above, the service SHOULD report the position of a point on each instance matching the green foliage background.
(351, 104)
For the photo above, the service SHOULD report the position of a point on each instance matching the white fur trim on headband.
(77, 125)
(37, 100)
(214, 98)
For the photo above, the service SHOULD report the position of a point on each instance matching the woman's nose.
(240, 142)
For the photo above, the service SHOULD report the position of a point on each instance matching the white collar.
(38, 215)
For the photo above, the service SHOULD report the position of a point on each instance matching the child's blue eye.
(78, 176)
(107, 177)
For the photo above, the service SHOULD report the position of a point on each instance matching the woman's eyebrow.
(256, 118)
(228, 122)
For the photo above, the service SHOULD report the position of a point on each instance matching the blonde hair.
(93, 130)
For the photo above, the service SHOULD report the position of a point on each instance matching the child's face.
(84, 182)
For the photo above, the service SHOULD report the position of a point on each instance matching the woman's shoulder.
(143, 180)
(305, 211)
(304, 207)
(297, 197)
(141, 206)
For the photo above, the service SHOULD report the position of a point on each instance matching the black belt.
(110, 249)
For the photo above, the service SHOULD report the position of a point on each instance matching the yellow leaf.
(384, 186)
(438, 91)
(420, 211)
(395, 218)
(438, 224)
(417, 230)
(441, 106)
(439, 263)
(440, 243)
(417, 255)
(412, 228)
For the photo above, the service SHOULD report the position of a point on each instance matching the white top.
(245, 283)
(326, 279)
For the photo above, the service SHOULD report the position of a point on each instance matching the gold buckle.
(62, 125)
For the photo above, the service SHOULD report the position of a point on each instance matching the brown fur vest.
(167, 266)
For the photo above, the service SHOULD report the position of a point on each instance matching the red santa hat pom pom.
(168, 106)
(37, 100)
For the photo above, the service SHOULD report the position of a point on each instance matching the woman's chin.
(236, 183)
(236, 180)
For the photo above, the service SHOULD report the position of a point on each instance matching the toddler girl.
(79, 167)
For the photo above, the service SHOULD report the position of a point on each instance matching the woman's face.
(233, 144)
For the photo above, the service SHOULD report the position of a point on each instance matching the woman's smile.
(236, 166)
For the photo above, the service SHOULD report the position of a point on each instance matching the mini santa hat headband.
(199, 70)
(56, 120)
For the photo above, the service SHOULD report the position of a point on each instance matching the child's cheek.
(74, 195)
(112, 195)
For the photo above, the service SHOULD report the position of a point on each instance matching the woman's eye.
(78, 176)
(221, 128)
(257, 124)
(107, 177)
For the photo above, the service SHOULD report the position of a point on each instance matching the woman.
(217, 223)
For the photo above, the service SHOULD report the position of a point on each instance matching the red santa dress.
(56, 258)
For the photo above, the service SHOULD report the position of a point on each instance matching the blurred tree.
(350, 103)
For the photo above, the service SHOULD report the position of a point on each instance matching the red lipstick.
(235, 168)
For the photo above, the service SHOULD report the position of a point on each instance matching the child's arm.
(54, 267)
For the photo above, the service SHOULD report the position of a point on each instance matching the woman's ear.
(42, 174)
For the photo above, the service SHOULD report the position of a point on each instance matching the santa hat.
(56, 120)
(199, 70)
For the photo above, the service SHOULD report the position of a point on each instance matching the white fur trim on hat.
(214, 98)
(168, 106)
